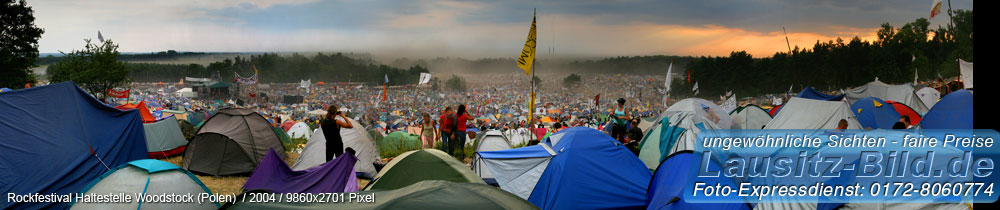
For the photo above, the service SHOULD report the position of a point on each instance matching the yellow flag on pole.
(528, 53)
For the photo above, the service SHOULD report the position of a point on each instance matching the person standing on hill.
(620, 117)
(427, 131)
(331, 130)
(462, 117)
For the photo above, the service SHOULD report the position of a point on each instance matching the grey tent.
(233, 141)
(803, 113)
(149, 176)
(356, 138)
(299, 130)
(749, 117)
(899, 93)
(164, 138)
(492, 140)
(429, 194)
(929, 96)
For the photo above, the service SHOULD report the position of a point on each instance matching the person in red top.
(447, 124)
(458, 137)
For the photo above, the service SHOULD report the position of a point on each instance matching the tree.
(18, 43)
(455, 83)
(572, 81)
(95, 68)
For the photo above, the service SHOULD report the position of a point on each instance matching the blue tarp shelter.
(57, 139)
(577, 168)
(953, 111)
(875, 113)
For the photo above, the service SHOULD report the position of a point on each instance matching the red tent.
(287, 125)
(905, 110)
(147, 117)
(774, 110)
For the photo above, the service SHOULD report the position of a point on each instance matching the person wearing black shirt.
(331, 130)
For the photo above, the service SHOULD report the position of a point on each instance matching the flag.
(424, 78)
(666, 84)
(528, 53)
(695, 89)
(689, 76)
(790, 87)
(935, 8)
(966, 69)
(118, 94)
(385, 88)
(99, 36)
(386, 79)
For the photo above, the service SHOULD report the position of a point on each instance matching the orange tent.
(147, 117)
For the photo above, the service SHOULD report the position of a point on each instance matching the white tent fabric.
(803, 113)
(966, 68)
(695, 105)
(299, 130)
(750, 117)
(356, 138)
(929, 96)
(518, 136)
(899, 93)
(492, 140)
(164, 135)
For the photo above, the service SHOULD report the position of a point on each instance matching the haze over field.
(469, 29)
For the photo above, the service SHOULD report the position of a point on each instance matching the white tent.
(697, 106)
(750, 117)
(803, 113)
(929, 96)
(899, 93)
(356, 138)
(519, 136)
(492, 140)
(299, 130)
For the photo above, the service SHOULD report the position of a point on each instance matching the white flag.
(99, 36)
(670, 69)
(966, 70)
(790, 88)
(424, 78)
(695, 88)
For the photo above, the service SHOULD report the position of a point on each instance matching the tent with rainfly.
(419, 165)
(875, 113)
(749, 117)
(57, 138)
(576, 168)
(147, 176)
(147, 116)
(667, 186)
(355, 138)
(233, 141)
(429, 194)
(273, 174)
(676, 129)
(954, 111)
(901, 93)
(803, 113)
(164, 138)
(492, 140)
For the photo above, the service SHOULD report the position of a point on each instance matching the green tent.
(396, 143)
(430, 194)
(282, 135)
(415, 166)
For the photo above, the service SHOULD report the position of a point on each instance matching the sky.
(469, 28)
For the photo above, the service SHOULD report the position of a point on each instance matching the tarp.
(954, 111)
(430, 194)
(873, 113)
(811, 93)
(299, 130)
(929, 96)
(164, 138)
(585, 169)
(147, 116)
(901, 93)
(274, 175)
(233, 141)
(803, 113)
(55, 137)
(147, 176)
(667, 186)
(749, 117)
(905, 110)
(355, 138)
(415, 166)
(492, 140)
